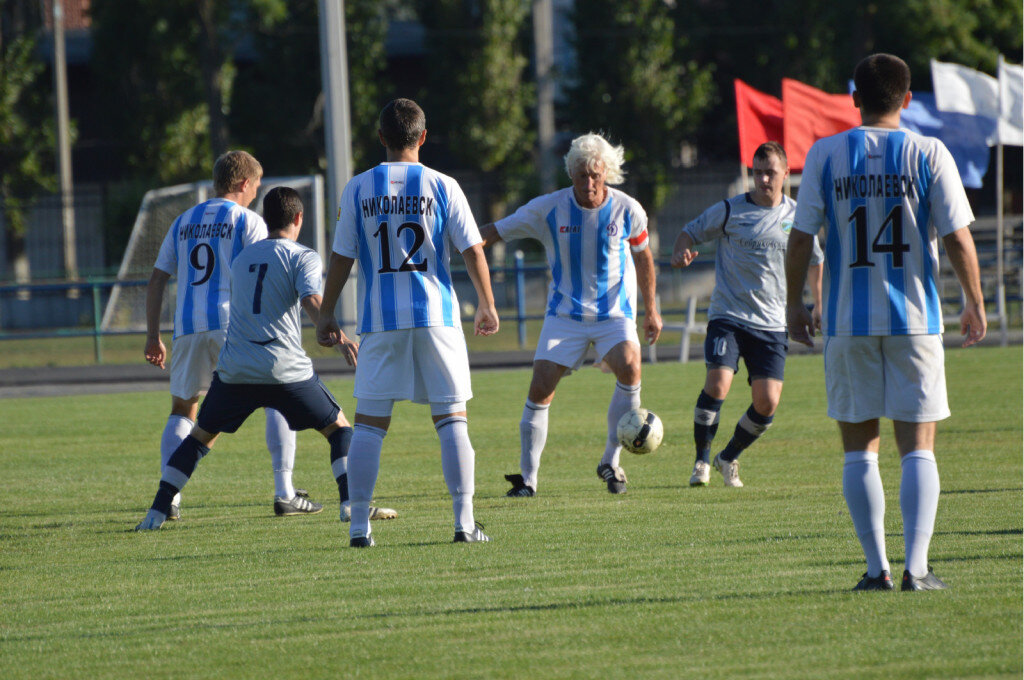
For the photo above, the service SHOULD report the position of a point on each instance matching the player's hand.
(348, 349)
(652, 326)
(155, 352)
(973, 324)
(328, 332)
(486, 320)
(800, 324)
(816, 317)
(682, 257)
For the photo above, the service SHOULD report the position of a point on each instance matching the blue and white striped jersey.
(400, 221)
(592, 272)
(884, 197)
(199, 249)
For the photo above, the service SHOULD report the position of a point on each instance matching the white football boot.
(730, 471)
(701, 474)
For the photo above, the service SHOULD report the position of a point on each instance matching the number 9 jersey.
(884, 196)
(399, 221)
(199, 249)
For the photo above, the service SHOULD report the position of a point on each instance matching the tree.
(636, 82)
(27, 141)
(476, 91)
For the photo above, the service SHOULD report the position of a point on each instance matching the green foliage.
(478, 60)
(27, 134)
(365, 30)
(636, 81)
(664, 582)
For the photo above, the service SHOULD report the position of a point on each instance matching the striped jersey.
(592, 272)
(750, 259)
(264, 342)
(198, 249)
(400, 222)
(884, 197)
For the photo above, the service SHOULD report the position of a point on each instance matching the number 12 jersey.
(884, 196)
(400, 221)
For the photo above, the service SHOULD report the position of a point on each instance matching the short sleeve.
(638, 236)
(345, 228)
(710, 224)
(526, 222)
(308, 274)
(817, 254)
(462, 229)
(949, 207)
(810, 203)
(167, 258)
(255, 229)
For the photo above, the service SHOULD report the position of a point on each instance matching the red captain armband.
(638, 242)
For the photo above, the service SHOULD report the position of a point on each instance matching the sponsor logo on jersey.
(570, 229)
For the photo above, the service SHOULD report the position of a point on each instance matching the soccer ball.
(640, 431)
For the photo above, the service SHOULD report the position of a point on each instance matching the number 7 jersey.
(884, 196)
(400, 221)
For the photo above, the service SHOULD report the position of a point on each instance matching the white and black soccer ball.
(640, 431)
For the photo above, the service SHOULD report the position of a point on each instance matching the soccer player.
(401, 220)
(199, 249)
(596, 241)
(262, 363)
(884, 196)
(747, 314)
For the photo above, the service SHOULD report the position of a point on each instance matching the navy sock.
(164, 496)
(705, 424)
(340, 440)
(187, 456)
(751, 426)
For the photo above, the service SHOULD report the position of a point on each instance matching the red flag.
(810, 114)
(759, 119)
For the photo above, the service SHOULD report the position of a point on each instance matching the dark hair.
(401, 124)
(281, 206)
(882, 82)
(765, 151)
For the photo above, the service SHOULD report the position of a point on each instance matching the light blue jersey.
(884, 197)
(401, 221)
(592, 272)
(199, 249)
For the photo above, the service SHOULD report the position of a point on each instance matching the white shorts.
(565, 342)
(900, 377)
(422, 365)
(193, 358)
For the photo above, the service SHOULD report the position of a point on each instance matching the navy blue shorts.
(764, 352)
(305, 405)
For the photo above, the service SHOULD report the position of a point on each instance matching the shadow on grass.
(958, 491)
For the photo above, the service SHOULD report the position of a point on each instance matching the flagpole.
(1000, 283)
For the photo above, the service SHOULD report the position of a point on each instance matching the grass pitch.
(664, 582)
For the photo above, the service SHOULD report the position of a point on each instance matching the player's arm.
(646, 281)
(155, 351)
(486, 320)
(328, 332)
(798, 257)
(815, 273)
(313, 304)
(964, 258)
(489, 233)
(682, 255)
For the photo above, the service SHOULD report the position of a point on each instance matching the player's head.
(770, 169)
(882, 82)
(233, 168)
(281, 206)
(593, 152)
(402, 124)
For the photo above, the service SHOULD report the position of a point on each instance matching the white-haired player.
(199, 249)
(596, 241)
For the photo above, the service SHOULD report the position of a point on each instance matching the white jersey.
(264, 343)
(883, 196)
(750, 260)
(592, 272)
(199, 249)
(400, 221)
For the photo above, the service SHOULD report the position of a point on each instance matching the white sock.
(533, 432)
(919, 500)
(281, 444)
(865, 498)
(624, 398)
(175, 431)
(363, 468)
(458, 462)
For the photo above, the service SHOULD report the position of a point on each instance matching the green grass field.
(664, 582)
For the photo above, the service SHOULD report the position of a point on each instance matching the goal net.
(126, 307)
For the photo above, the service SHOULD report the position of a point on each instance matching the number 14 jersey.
(400, 222)
(884, 196)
